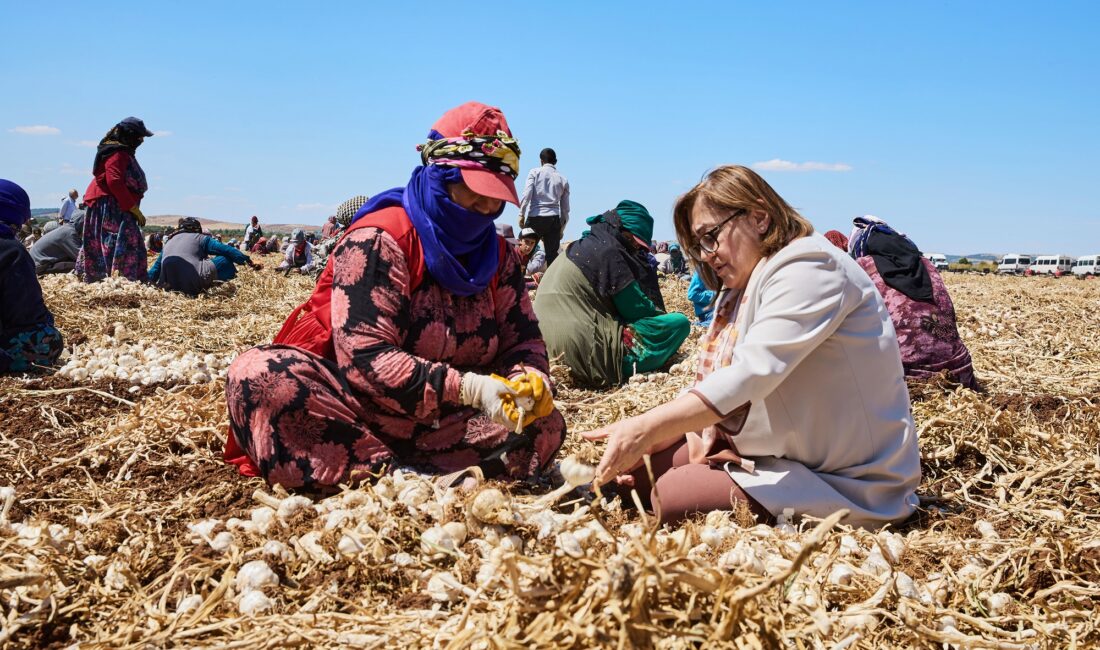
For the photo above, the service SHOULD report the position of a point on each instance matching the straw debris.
(121, 527)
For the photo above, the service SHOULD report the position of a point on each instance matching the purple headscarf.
(460, 245)
(15, 207)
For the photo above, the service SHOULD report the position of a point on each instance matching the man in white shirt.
(68, 205)
(544, 206)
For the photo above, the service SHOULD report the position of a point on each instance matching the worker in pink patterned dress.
(434, 343)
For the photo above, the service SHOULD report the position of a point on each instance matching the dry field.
(120, 526)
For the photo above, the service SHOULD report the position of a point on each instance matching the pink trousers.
(683, 488)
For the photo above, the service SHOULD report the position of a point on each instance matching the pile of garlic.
(113, 286)
(120, 357)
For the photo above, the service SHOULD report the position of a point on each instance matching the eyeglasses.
(708, 241)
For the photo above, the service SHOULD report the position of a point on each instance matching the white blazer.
(830, 425)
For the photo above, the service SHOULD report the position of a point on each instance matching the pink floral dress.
(927, 332)
(391, 396)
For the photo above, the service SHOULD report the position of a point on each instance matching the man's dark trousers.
(548, 229)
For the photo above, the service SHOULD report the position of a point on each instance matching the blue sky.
(971, 126)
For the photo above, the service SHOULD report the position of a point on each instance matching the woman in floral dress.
(113, 221)
(432, 336)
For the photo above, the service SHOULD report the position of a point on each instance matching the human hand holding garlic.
(487, 393)
(532, 397)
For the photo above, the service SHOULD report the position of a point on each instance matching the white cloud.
(162, 134)
(779, 165)
(36, 130)
(87, 144)
(314, 207)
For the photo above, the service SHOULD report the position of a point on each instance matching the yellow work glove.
(136, 211)
(532, 393)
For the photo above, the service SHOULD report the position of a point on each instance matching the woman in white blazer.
(800, 399)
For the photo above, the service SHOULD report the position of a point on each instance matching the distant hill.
(212, 224)
(43, 212)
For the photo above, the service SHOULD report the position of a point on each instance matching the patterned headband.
(496, 153)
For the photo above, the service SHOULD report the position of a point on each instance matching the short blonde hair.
(735, 187)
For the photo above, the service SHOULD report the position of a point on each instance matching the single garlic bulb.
(253, 603)
(222, 541)
(575, 472)
(437, 543)
(997, 602)
(457, 530)
(188, 603)
(491, 506)
(445, 587)
(292, 505)
(255, 575)
(273, 548)
(841, 574)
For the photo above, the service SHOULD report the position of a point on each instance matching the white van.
(1087, 266)
(1056, 265)
(1014, 263)
(938, 260)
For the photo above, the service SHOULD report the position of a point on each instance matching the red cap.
(479, 119)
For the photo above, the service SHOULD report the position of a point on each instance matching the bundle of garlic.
(140, 362)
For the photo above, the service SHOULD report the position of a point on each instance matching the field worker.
(330, 228)
(112, 225)
(28, 340)
(419, 345)
(675, 265)
(260, 246)
(545, 203)
(274, 245)
(702, 299)
(68, 207)
(839, 239)
(299, 254)
(800, 400)
(29, 240)
(601, 306)
(193, 260)
(660, 252)
(57, 250)
(252, 233)
(531, 256)
(154, 241)
(919, 305)
(347, 210)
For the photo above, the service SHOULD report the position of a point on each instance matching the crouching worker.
(192, 261)
(299, 254)
(28, 340)
(919, 304)
(601, 306)
(419, 344)
(799, 400)
(531, 257)
(57, 250)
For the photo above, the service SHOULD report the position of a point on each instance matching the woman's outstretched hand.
(626, 444)
(630, 439)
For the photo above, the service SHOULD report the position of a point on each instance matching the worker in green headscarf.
(600, 305)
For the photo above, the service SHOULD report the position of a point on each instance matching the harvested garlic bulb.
(491, 506)
(841, 574)
(273, 548)
(445, 587)
(253, 603)
(255, 575)
(437, 543)
(575, 472)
